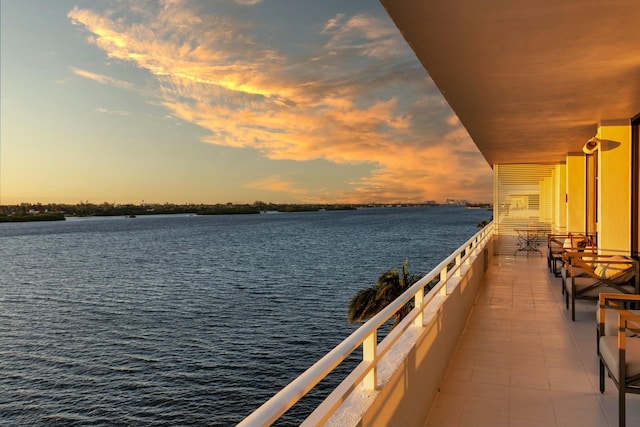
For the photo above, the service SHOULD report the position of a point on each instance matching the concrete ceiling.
(530, 80)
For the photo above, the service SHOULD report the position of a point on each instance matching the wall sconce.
(591, 146)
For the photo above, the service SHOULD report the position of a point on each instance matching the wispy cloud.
(112, 112)
(357, 96)
(366, 34)
(102, 79)
(65, 80)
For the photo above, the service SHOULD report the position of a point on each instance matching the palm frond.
(368, 302)
(364, 305)
(389, 277)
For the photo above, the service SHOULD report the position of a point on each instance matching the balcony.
(521, 361)
(491, 345)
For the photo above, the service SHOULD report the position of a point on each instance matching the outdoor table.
(528, 240)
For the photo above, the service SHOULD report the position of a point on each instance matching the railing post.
(418, 300)
(459, 261)
(443, 279)
(369, 353)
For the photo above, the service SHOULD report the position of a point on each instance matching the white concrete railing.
(366, 335)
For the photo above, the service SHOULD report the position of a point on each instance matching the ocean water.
(192, 320)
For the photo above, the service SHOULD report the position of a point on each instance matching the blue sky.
(223, 101)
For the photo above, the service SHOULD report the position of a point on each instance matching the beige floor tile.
(495, 391)
(522, 362)
(530, 381)
(533, 359)
(446, 411)
(530, 395)
(528, 422)
(490, 377)
(442, 420)
(453, 388)
(459, 374)
(559, 361)
(490, 364)
(584, 417)
(528, 371)
(484, 420)
(535, 410)
(485, 406)
(573, 381)
(495, 356)
(462, 358)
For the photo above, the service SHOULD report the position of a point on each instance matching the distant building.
(456, 202)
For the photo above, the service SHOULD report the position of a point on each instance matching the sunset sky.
(212, 101)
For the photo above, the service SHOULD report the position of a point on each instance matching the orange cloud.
(358, 97)
(273, 183)
(276, 184)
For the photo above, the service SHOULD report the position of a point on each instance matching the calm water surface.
(191, 320)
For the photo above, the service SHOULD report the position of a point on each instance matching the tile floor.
(521, 361)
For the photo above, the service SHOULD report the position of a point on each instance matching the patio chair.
(608, 311)
(589, 274)
(610, 321)
(555, 244)
(559, 243)
(565, 271)
(619, 353)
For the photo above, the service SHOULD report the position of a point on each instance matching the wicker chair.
(619, 353)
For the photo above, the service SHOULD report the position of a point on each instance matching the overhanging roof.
(530, 80)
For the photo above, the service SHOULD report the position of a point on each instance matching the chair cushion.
(609, 353)
(584, 289)
(556, 252)
(611, 321)
(577, 241)
(612, 269)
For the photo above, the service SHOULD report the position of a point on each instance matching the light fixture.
(591, 146)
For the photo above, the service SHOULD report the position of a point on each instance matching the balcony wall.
(406, 398)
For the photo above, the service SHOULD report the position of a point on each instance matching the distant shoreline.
(27, 212)
(47, 216)
(58, 212)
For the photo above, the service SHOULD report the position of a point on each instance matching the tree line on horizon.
(112, 209)
(50, 212)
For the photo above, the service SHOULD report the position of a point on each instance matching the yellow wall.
(560, 187)
(547, 193)
(614, 187)
(575, 190)
(553, 205)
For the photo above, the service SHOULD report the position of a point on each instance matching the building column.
(575, 193)
(614, 187)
